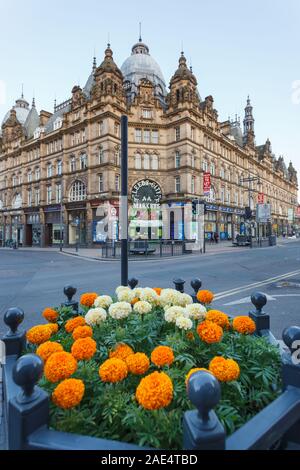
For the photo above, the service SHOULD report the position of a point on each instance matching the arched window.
(154, 163)
(77, 191)
(17, 201)
(146, 162)
(72, 164)
(83, 161)
(138, 161)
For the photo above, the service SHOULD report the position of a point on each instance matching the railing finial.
(27, 371)
(13, 318)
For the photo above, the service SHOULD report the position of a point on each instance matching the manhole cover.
(289, 284)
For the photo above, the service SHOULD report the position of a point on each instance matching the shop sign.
(52, 209)
(211, 207)
(263, 213)
(260, 198)
(206, 183)
(146, 194)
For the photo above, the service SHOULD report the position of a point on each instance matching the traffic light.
(194, 207)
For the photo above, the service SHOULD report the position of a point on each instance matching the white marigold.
(184, 323)
(103, 301)
(122, 288)
(137, 292)
(184, 300)
(196, 312)
(169, 297)
(149, 295)
(142, 307)
(95, 316)
(173, 313)
(120, 310)
(125, 296)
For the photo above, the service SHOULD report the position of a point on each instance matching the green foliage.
(111, 410)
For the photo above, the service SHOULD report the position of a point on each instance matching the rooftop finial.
(108, 43)
(22, 94)
(182, 53)
(54, 104)
(94, 62)
(140, 36)
(33, 102)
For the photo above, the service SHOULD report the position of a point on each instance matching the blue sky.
(236, 48)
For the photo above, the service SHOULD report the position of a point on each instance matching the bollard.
(133, 282)
(29, 410)
(196, 285)
(69, 292)
(179, 285)
(261, 319)
(202, 429)
(14, 340)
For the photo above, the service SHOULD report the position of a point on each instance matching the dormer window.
(37, 133)
(57, 123)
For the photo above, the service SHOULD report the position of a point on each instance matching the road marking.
(237, 290)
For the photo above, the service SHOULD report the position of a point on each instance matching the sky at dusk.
(236, 48)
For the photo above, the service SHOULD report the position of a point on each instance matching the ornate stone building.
(67, 163)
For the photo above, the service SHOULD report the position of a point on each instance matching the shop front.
(105, 221)
(52, 225)
(33, 229)
(77, 223)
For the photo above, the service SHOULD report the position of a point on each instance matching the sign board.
(206, 183)
(291, 215)
(146, 194)
(261, 198)
(263, 213)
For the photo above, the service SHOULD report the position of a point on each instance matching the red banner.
(261, 198)
(206, 183)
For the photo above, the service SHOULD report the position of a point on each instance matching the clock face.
(146, 194)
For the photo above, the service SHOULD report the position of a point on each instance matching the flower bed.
(120, 369)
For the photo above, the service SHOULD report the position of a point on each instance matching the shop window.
(77, 191)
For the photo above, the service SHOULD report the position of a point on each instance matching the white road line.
(237, 290)
(247, 300)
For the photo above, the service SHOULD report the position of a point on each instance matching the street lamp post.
(250, 179)
(124, 201)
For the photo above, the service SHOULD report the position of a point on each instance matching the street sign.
(263, 213)
(261, 198)
(206, 183)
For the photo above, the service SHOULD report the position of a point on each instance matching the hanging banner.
(261, 198)
(206, 183)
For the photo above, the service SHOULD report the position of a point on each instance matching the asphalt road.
(35, 280)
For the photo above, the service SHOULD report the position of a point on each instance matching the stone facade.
(174, 137)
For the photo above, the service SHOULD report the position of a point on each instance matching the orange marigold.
(74, 323)
(157, 290)
(68, 393)
(209, 332)
(121, 351)
(135, 301)
(50, 315)
(225, 370)
(45, 350)
(244, 325)
(88, 299)
(192, 371)
(155, 391)
(39, 334)
(113, 370)
(60, 366)
(84, 349)
(162, 356)
(82, 332)
(218, 317)
(138, 364)
(53, 327)
(190, 336)
(205, 297)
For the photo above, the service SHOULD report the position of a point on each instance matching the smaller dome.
(108, 64)
(22, 110)
(183, 72)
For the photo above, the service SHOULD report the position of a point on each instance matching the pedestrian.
(216, 237)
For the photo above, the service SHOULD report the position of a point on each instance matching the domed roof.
(183, 72)
(108, 64)
(142, 65)
(22, 110)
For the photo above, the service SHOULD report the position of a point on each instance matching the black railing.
(27, 405)
(148, 248)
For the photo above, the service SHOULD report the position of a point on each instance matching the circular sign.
(146, 194)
